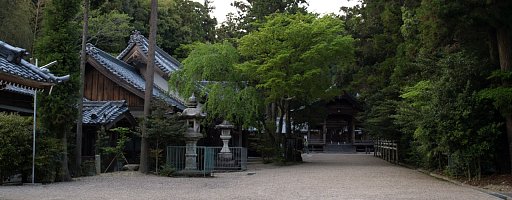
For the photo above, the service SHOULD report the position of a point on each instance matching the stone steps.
(345, 148)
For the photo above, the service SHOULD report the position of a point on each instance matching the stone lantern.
(225, 128)
(192, 114)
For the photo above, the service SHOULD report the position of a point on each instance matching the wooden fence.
(387, 150)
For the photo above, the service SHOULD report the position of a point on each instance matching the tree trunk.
(280, 124)
(143, 167)
(64, 170)
(78, 149)
(504, 49)
(505, 53)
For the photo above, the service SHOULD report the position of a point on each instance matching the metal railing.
(209, 159)
(386, 149)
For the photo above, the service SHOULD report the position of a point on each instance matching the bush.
(15, 144)
(167, 170)
(48, 154)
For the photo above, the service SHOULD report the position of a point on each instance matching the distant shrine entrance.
(338, 129)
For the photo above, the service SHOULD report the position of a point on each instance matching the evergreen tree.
(60, 42)
(16, 22)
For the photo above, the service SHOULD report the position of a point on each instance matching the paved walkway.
(322, 176)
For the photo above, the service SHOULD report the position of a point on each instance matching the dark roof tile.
(103, 112)
(12, 63)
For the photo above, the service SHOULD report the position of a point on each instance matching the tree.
(418, 71)
(85, 29)
(498, 16)
(148, 93)
(16, 22)
(109, 30)
(252, 13)
(59, 41)
(164, 127)
(184, 22)
(290, 58)
(210, 70)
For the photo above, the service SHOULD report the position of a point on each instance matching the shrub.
(167, 170)
(15, 144)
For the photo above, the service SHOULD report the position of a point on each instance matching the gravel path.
(322, 176)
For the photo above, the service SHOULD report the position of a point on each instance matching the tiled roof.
(163, 60)
(13, 64)
(104, 112)
(129, 74)
(19, 90)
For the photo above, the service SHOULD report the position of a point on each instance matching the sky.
(222, 7)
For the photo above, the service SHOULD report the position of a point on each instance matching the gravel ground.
(322, 176)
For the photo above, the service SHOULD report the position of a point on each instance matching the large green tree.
(60, 42)
(210, 70)
(293, 58)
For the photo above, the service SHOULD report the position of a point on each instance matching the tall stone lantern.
(225, 128)
(192, 114)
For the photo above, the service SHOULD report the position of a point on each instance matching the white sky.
(222, 7)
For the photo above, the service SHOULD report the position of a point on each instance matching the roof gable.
(165, 62)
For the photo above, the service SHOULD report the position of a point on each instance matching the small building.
(105, 115)
(110, 79)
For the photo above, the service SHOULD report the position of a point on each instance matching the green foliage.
(183, 22)
(15, 142)
(500, 96)
(16, 22)
(16, 151)
(294, 55)
(163, 128)
(48, 157)
(167, 170)
(450, 128)
(163, 125)
(108, 31)
(251, 14)
(122, 139)
(422, 77)
(114, 152)
(229, 97)
(206, 62)
(59, 43)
